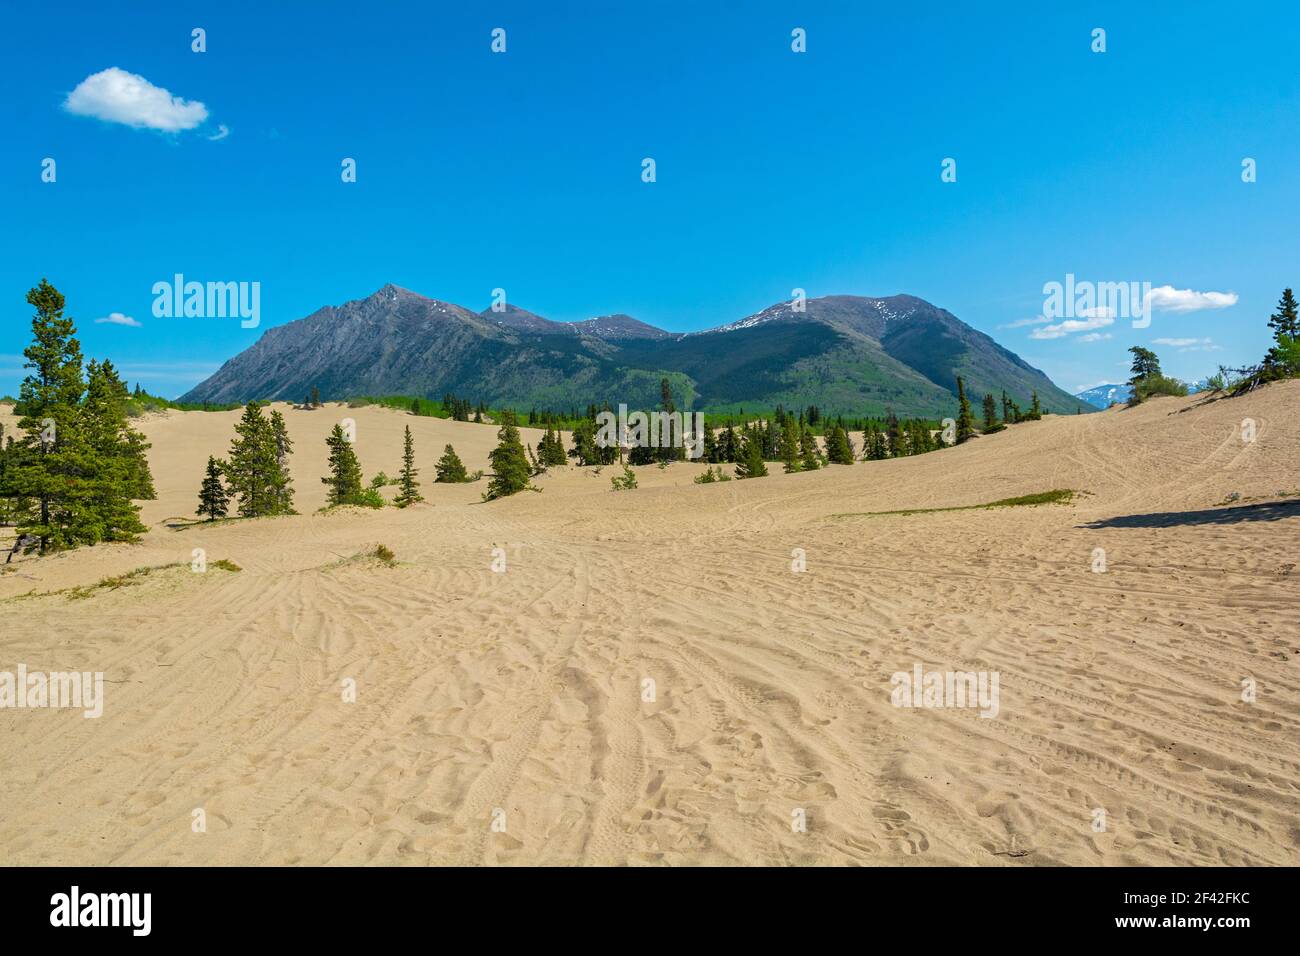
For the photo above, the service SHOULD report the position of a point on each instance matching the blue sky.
(775, 170)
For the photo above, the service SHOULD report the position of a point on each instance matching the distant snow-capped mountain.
(1102, 396)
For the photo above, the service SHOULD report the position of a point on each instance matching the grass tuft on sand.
(1055, 496)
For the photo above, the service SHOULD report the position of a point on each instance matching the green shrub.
(1153, 385)
(711, 475)
(368, 498)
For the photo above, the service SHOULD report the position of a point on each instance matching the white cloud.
(222, 132)
(1166, 298)
(121, 97)
(1095, 337)
(1021, 323)
(1189, 345)
(117, 318)
(1070, 326)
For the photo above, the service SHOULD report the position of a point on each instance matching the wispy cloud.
(1021, 323)
(117, 318)
(116, 96)
(1070, 326)
(1166, 298)
(1095, 337)
(222, 132)
(1189, 345)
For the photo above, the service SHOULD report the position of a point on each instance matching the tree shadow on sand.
(1265, 511)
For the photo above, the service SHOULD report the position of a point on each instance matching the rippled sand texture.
(522, 691)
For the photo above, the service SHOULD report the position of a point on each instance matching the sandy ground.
(518, 697)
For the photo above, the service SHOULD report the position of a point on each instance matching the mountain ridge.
(847, 354)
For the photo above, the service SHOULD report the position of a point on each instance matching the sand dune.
(522, 692)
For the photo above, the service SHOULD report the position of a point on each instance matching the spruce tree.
(750, 462)
(990, 412)
(344, 480)
(112, 468)
(881, 451)
(710, 443)
(410, 488)
(510, 470)
(897, 438)
(584, 443)
(214, 500)
(808, 450)
(1286, 332)
(838, 449)
(728, 445)
(790, 451)
(252, 465)
(72, 477)
(45, 467)
(1145, 364)
(450, 469)
(281, 483)
(667, 450)
(106, 389)
(11, 506)
(965, 422)
(551, 449)
(1285, 320)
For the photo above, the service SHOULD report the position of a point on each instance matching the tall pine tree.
(750, 463)
(72, 476)
(1286, 332)
(257, 465)
(965, 421)
(990, 412)
(790, 451)
(45, 467)
(343, 483)
(282, 484)
(214, 500)
(810, 460)
(510, 468)
(410, 487)
(1285, 321)
(113, 466)
(838, 449)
